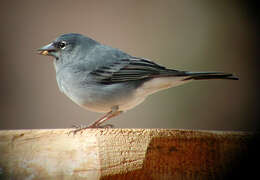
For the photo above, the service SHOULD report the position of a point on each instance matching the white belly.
(123, 105)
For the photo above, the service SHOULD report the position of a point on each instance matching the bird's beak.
(46, 50)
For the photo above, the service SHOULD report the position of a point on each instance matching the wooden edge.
(119, 153)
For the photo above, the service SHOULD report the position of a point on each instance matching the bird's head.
(67, 46)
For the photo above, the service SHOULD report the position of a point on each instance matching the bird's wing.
(131, 69)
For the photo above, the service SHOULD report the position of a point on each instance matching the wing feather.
(131, 70)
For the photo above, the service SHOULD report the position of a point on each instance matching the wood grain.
(151, 154)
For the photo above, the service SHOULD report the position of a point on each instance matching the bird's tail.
(209, 75)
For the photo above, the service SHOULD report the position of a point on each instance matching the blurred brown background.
(187, 35)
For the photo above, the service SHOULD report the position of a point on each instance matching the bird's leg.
(114, 112)
(97, 124)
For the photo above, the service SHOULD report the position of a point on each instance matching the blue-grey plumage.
(104, 79)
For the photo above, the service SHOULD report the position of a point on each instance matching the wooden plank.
(119, 154)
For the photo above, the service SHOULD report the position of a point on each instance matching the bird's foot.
(81, 128)
(97, 124)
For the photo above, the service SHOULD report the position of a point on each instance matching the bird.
(107, 80)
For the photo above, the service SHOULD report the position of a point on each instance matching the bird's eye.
(61, 44)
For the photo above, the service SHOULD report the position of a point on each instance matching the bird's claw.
(81, 128)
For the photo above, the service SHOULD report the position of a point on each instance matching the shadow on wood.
(188, 155)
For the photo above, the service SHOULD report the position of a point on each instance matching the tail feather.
(209, 75)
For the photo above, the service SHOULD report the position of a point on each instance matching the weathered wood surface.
(151, 154)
